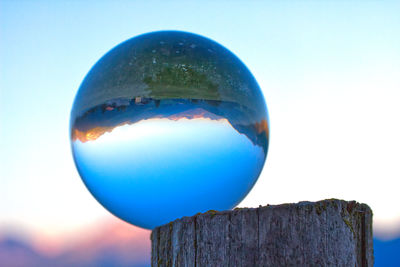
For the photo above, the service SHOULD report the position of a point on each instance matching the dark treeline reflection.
(103, 118)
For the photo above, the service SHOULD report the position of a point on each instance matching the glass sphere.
(168, 124)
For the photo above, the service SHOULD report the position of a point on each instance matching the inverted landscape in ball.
(168, 124)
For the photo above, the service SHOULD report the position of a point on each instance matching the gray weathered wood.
(325, 233)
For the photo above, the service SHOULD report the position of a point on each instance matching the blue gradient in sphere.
(169, 124)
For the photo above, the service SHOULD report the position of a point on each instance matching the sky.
(329, 72)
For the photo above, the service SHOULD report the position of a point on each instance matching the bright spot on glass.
(169, 124)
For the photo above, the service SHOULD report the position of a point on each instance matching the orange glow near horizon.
(96, 132)
(262, 126)
(91, 238)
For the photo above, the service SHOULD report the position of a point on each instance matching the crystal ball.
(168, 124)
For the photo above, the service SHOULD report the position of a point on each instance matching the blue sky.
(329, 71)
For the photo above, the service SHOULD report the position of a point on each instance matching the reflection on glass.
(166, 125)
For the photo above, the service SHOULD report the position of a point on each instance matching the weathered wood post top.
(324, 233)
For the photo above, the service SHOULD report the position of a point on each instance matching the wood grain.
(325, 233)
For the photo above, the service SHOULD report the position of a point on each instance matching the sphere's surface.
(168, 124)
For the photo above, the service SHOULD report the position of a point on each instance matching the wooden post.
(325, 233)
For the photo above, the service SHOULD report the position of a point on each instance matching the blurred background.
(329, 71)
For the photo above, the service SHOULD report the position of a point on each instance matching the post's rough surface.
(325, 233)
